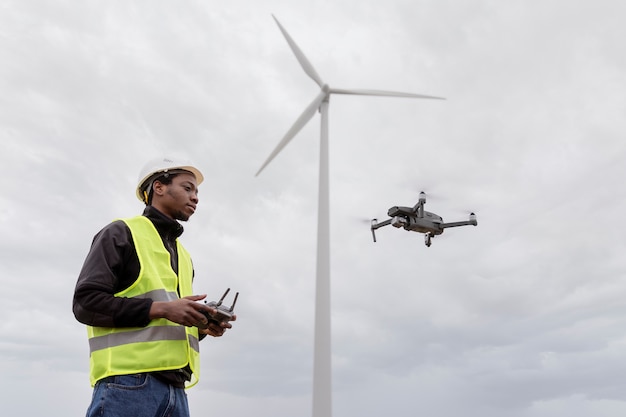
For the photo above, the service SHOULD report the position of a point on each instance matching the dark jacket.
(111, 266)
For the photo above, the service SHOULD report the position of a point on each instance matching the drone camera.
(398, 221)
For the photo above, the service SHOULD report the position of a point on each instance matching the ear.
(158, 188)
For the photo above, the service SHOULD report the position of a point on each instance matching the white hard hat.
(163, 165)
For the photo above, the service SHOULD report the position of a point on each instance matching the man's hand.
(217, 330)
(185, 311)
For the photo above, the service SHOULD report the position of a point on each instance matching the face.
(178, 199)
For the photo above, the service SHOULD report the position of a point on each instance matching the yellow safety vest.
(162, 344)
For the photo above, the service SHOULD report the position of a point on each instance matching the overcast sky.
(522, 316)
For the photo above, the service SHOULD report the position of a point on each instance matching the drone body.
(416, 219)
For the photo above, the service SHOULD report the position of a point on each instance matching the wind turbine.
(322, 351)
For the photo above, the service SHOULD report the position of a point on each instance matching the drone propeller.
(422, 193)
(430, 196)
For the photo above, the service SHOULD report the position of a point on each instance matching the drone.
(416, 219)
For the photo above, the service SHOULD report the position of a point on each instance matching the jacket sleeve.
(110, 266)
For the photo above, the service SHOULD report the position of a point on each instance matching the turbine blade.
(306, 115)
(381, 93)
(304, 62)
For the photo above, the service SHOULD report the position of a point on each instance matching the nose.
(194, 197)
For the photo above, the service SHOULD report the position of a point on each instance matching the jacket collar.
(166, 226)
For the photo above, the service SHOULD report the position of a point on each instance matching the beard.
(183, 217)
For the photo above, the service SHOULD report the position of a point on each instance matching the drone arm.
(376, 225)
(457, 224)
(419, 207)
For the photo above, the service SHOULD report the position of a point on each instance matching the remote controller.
(223, 313)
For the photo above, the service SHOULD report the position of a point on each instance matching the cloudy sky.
(522, 316)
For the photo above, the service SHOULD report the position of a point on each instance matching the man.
(135, 295)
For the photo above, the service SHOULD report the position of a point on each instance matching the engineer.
(134, 293)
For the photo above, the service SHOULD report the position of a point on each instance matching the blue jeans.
(139, 395)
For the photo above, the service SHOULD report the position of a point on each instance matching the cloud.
(520, 316)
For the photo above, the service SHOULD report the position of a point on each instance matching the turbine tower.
(322, 404)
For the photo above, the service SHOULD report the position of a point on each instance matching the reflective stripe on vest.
(145, 334)
(162, 344)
